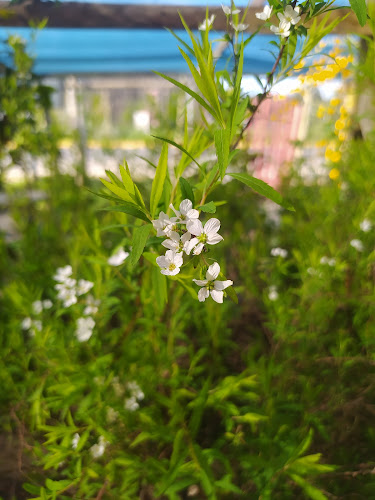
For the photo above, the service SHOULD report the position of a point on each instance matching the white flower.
(204, 236)
(176, 243)
(37, 325)
(211, 286)
(131, 404)
(117, 387)
(163, 224)
(118, 257)
(266, 14)
(279, 252)
(290, 15)
(329, 261)
(207, 23)
(283, 29)
(26, 323)
(92, 306)
(239, 27)
(37, 306)
(365, 225)
(84, 286)
(227, 10)
(97, 450)
(170, 263)
(112, 415)
(186, 212)
(135, 390)
(357, 244)
(47, 304)
(66, 293)
(62, 273)
(84, 328)
(273, 293)
(75, 440)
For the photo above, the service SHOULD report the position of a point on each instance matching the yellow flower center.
(172, 267)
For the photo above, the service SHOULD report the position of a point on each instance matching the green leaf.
(169, 141)
(359, 7)
(264, 189)
(186, 190)
(209, 207)
(159, 282)
(140, 236)
(310, 490)
(124, 195)
(232, 294)
(222, 145)
(158, 182)
(130, 209)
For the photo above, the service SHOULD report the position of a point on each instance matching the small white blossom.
(266, 14)
(84, 328)
(203, 236)
(357, 244)
(177, 243)
(118, 258)
(112, 415)
(163, 224)
(47, 304)
(290, 15)
(314, 272)
(83, 287)
(211, 286)
(37, 325)
(62, 273)
(135, 390)
(117, 387)
(228, 10)
(273, 293)
(92, 306)
(37, 306)
(283, 29)
(329, 261)
(26, 323)
(131, 404)
(279, 252)
(186, 212)
(207, 23)
(170, 263)
(75, 440)
(366, 225)
(239, 27)
(97, 450)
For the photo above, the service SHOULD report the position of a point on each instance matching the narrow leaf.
(130, 209)
(169, 141)
(359, 7)
(158, 182)
(264, 189)
(222, 149)
(186, 190)
(209, 207)
(140, 236)
(124, 195)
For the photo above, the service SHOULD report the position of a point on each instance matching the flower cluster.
(186, 234)
(290, 17)
(35, 325)
(136, 394)
(68, 288)
(118, 257)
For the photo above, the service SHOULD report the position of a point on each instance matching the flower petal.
(203, 294)
(214, 239)
(200, 282)
(190, 245)
(178, 260)
(171, 245)
(217, 296)
(198, 249)
(185, 237)
(162, 261)
(174, 210)
(192, 214)
(212, 226)
(213, 271)
(194, 227)
(185, 206)
(222, 285)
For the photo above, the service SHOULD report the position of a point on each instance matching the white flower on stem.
(163, 224)
(228, 10)
(92, 305)
(118, 257)
(84, 286)
(329, 261)
(273, 294)
(357, 244)
(131, 404)
(135, 390)
(37, 306)
(239, 27)
(37, 325)
(266, 14)
(84, 328)
(62, 273)
(26, 323)
(67, 292)
(177, 243)
(186, 211)
(279, 252)
(75, 440)
(365, 225)
(211, 286)
(289, 15)
(206, 235)
(283, 29)
(112, 415)
(207, 23)
(97, 450)
(170, 263)
(47, 304)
